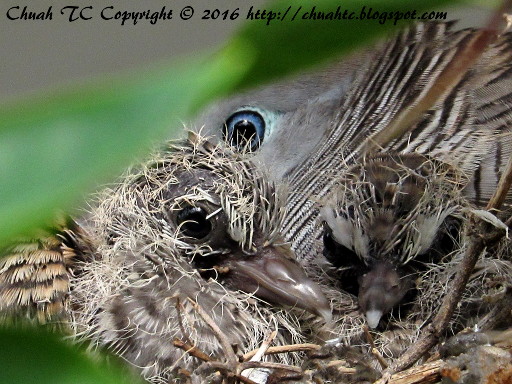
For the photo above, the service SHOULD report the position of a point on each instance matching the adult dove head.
(281, 124)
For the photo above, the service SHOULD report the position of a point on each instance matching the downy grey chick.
(194, 226)
(394, 236)
(387, 218)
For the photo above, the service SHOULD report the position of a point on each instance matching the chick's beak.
(380, 290)
(275, 278)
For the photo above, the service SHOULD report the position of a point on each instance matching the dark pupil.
(243, 132)
(193, 222)
(245, 129)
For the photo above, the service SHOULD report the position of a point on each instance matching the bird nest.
(469, 356)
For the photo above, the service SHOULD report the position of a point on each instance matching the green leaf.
(484, 4)
(41, 358)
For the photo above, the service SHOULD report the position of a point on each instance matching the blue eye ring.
(245, 130)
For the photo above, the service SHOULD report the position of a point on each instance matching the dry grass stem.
(227, 348)
(375, 352)
(284, 349)
(191, 350)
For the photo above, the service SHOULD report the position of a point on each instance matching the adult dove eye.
(245, 129)
(193, 223)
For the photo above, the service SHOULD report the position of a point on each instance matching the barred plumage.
(34, 274)
(306, 129)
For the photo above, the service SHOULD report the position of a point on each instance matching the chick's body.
(183, 246)
(468, 127)
(395, 234)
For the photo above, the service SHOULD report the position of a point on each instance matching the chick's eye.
(193, 222)
(245, 129)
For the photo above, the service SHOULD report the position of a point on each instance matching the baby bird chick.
(389, 216)
(194, 230)
(395, 235)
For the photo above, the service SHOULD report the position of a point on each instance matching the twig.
(502, 189)
(283, 349)
(222, 369)
(343, 369)
(422, 374)
(179, 310)
(261, 351)
(380, 358)
(191, 349)
(226, 346)
(433, 332)
(184, 372)
(374, 350)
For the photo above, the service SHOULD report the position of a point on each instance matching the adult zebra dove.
(305, 130)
